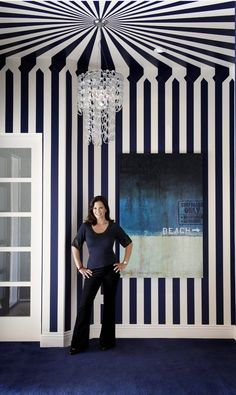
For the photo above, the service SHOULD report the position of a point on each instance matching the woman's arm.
(78, 263)
(122, 265)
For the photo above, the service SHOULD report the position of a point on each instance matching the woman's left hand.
(119, 267)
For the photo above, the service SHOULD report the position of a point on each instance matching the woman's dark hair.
(91, 219)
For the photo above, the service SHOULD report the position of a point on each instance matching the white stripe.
(182, 112)
(168, 115)
(140, 116)
(226, 200)
(125, 301)
(211, 198)
(169, 301)
(183, 301)
(14, 68)
(154, 113)
(46, 196)
(197, 115)
(198, 301)
(32, 101)
(140, 300)
(154, 301)
(61, 199)
(74, 198)
(2, 100)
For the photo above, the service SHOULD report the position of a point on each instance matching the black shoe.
(74, 350)
(105, 348)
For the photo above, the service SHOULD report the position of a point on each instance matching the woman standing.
(99, 232)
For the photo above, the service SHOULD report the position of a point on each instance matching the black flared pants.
(108, 279)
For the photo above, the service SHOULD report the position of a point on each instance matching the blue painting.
(161, 208)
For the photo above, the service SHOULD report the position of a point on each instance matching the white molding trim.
(56, 339)
(63, 339)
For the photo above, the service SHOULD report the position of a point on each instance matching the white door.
(20, 237)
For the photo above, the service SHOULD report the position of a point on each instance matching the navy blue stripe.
(118, 149)
(175, 115)
(54, 203)
(232, 204)
(161, 301)
(90, 172)
(161, 115)
(24, 100)
(79, 162)
(68, 201)
(176, 301)
(219, 77)
(9, 102)
(39, 101)
(133, 120)
(133, 300)
(104, 170)
(204, 150)
(147, 301)
(190, 300)
(147, 116)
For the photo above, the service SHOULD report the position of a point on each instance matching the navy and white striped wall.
(166, 109)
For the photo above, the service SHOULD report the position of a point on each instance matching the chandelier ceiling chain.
(100, 96)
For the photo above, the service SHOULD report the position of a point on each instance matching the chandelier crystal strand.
(100, 96)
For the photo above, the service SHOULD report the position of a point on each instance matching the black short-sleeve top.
(100, 245)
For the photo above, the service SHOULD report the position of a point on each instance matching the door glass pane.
(15, 162)
(15, 232)
(14, 266)
(15, 196)
(15, 301)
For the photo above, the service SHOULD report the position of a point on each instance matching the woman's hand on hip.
(119, 267)
(85, 272)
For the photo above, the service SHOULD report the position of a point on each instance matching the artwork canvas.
(161, 208)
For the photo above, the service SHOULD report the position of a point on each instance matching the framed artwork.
(161, 208)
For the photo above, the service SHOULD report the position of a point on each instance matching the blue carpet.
(134, 367)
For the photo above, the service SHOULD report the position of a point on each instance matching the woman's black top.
(100, 245)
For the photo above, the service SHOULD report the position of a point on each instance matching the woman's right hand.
(85, 272)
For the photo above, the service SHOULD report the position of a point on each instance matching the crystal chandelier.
(100, 96)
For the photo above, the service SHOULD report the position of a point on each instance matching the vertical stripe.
(219, 202)
(190, 299)
(232, 204)
(147, 116)
(54, 202)
(61, 241)
(90, 172)
(9, 102)
(122, 297)
(104, 172)
(161, 301)
(39, 101)
(147, 301)
(24, 99)
(204, 149)
(133, 121)
(161, 112)
(46, 199)
(176, 301)
(226, 200)
(133, 300)
(68, 201)
(175, 116)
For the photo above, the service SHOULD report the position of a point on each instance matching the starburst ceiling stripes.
(191, 32)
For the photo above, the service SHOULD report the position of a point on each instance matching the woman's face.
(99, 210)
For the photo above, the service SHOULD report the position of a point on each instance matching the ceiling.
(199, 33)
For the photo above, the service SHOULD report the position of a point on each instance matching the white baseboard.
(55, 339)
